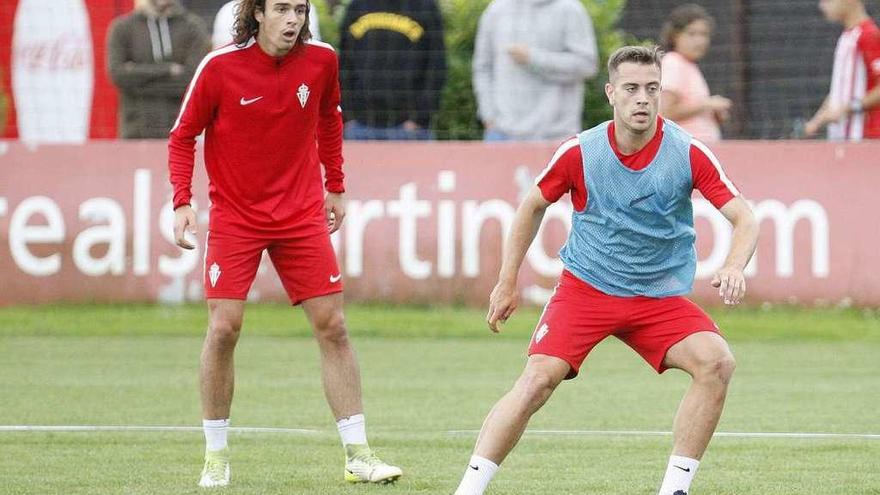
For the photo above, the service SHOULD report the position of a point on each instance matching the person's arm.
(482, 71)
(868, 102)
(196, 113)
(675, 84)
(330, 148)
(434, 71)
(709, 178)
(579, 58)
(869, 45)
(505, 296)
(195, 46)
(729, 279)
(673, 107)
(563, 174)
(819, 119)
(872, 99)
(127, 74)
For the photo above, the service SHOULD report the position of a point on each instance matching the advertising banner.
(425, 223)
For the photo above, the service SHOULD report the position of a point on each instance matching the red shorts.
(579, 316)
(307, 266)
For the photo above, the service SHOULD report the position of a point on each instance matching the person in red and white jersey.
(852, 108)
(269, 107)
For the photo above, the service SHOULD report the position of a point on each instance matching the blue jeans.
(356, 131)
(494, 135)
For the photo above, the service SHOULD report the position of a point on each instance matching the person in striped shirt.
(851, 111)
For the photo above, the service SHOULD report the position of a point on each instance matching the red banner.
(425, 223)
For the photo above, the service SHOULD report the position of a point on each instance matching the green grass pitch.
(430, 375)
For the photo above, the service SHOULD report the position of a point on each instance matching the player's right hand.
(731, 285)
(811, 128)
(184, 221)
(502, 303)
(719, 103)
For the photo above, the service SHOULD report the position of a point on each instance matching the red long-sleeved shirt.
(269, 123)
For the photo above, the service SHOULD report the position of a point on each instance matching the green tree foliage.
(329, 17)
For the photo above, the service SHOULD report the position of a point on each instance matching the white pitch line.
(729, 434)
(305, 431)
(76, 428)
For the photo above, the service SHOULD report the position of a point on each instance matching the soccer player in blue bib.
(629, 261)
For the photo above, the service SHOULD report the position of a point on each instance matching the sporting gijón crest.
(303, 94)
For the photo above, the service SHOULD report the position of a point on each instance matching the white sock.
(679, 473)
(477, 476)
(352, 430)
(215, 433)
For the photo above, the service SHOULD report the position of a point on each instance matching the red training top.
(267, 122)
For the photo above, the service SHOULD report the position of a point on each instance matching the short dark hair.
(246, 25)
(679, 19)
(636, 54)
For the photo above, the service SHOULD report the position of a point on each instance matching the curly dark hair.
(246, 25)
(679, 19)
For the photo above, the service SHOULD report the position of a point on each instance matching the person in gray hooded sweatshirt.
(152, 54)
(530, 62)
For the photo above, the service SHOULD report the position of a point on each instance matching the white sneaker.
(216, 471)
(362, 466)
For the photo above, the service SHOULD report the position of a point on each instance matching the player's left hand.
(731, 284)
(334, 209)
(519, 53)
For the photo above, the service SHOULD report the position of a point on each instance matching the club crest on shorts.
(303, 94)
(214, 274)
(541, 332)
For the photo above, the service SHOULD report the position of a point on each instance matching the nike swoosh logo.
(639, 200)
(335, 278)
(683, 469)
(248, 102)
(475, 468)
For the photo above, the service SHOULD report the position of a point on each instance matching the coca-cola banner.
(425, 223)
(52, 59)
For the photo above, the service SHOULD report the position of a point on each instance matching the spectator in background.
(852, 108)
(225, 18)
(530, 63)
(152, 53)
(393, 66)
(686, 98)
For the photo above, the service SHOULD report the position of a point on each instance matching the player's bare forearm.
(671, 107)
(730, 279)
(504, 298)
(872, 99)
(525, 226)
(745, 232)
(818, 120)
